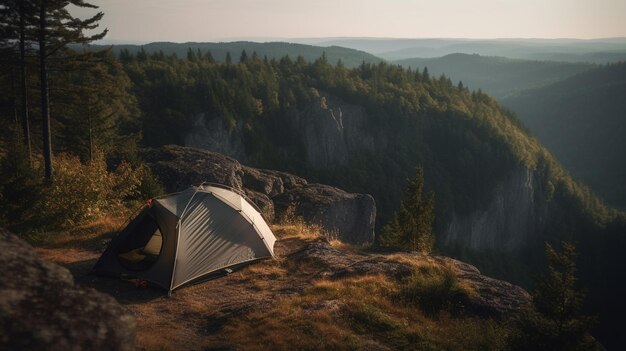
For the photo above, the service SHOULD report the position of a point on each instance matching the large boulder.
(179, 167)
(42, 309)
(350, 216)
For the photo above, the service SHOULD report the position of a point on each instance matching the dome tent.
(179, 238)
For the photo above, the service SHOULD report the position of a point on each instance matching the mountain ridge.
(273, 50)
(498, 76)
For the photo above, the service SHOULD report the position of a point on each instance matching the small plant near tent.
(298, 227)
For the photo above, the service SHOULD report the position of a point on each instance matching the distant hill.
(571, 50)
(349, 57)
(594, 57)
(497, 76)
(582, 121)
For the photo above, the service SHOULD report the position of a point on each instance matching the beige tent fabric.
(201, 230)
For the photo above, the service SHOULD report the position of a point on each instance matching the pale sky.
(214, 20)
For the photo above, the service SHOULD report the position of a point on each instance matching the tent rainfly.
(180, 238)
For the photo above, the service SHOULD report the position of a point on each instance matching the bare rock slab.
(42, 309)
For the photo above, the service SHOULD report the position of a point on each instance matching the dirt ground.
(192, 318)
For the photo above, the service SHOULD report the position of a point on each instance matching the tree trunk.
(45, 113)
(90, 135)
(24, 87)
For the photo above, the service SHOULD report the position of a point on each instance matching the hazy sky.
(210, 20)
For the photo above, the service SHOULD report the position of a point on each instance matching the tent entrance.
(143, 246)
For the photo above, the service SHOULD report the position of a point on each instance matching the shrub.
(433, 289)
(79, 192)
(20, 187)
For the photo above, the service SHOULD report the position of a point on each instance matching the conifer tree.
(411, 227)
(191, 55)
(555, 320)
(17, 18)
(208, 56)
(57, 29)
(95, 104)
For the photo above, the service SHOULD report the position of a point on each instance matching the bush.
(433, 289)
(79, 192)
(20, 187)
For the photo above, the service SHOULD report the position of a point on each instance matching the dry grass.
(358, 313)
(296, 226)
(278, 304)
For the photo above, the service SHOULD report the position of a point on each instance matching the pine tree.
(244, 57)
(208, 56)
(191, 55)
(57, 29)
(555, 320)
(17, 18)
(95, 103)
(412, 226)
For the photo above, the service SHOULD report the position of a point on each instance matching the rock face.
(331, 130)
(214, 134)
(492, 297)
(350, 216)
(517, 210)
(42, 309)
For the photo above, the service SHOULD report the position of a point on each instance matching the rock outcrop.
(42, 309)
(213, 134)
(330, 130)
(491, 297)
(350, 216)
(516, 212)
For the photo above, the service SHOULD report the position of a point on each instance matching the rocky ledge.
(490, 298)
(42, 309)
(350, 216)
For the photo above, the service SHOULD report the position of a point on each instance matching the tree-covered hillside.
(219, 51)
(497, 76)
(582, 121)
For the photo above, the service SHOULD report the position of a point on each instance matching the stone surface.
(510, 221)
(492, 297)
(42, 309)
(350, 217)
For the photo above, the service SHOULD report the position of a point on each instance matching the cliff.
(334, 133)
